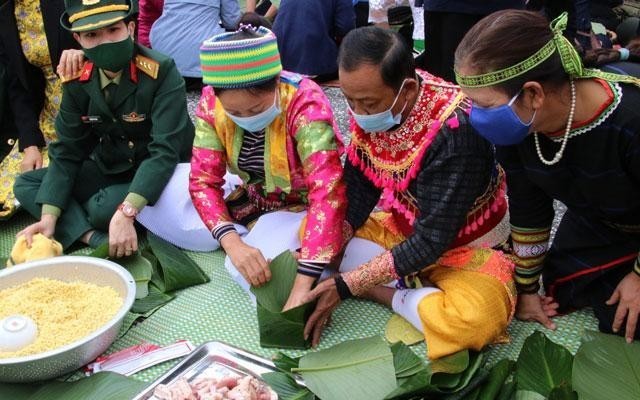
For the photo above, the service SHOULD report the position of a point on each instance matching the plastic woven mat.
(220, 310)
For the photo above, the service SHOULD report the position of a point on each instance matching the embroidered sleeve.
(208, 166)
(529, 249)
(310, 120)
(378, 271)
(206, 136)
(452, 177)
(531, 215)
(322, 237)
(205, 186)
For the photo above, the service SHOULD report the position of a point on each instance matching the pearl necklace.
(560, 152)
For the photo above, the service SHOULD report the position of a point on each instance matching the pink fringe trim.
(453, 122)
(481, 216)
(387, 181)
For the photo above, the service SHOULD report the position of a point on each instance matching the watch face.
(128, 210)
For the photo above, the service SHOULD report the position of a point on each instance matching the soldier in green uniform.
(123, 127)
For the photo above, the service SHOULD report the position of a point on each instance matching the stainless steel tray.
(216, 355)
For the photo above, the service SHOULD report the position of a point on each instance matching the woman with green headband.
(563, 133)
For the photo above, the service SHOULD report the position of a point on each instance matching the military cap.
(88, 15)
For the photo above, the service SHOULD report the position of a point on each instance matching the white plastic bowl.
(53, 363)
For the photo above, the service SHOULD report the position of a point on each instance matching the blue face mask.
(380, 122)
(258, 122)
(500, 125)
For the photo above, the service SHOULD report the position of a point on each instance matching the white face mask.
(258, 122)
(382, 121)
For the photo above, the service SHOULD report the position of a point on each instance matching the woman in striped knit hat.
(276, 131)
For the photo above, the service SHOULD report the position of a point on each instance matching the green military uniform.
(114, 142)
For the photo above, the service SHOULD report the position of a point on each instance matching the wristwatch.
(128, 209)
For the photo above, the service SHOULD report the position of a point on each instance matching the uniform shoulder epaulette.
(148, 65)
(83, 74)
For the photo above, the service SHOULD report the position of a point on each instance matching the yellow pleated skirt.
(477, 298)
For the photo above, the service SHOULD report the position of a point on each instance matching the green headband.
(570, 58)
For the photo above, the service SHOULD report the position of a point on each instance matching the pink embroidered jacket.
(302, 156)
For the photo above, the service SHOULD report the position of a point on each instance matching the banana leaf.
(101, 251)
(279, 329)
(353, 370)
(101, 386)
(451, 364)
(456, 375)
(452, 383)
(414, 385)
(154, 299)
(18, 391)
(285, 363)
(412, 373)
(607, 367)
(497, 377)
(508, 388)
(543, 365)
(286, 387)
(144, 269)
(177, 270)
(406, 362)
(399, 329)
(563, 392)
(464, 392)
(171, 269)
(474, 394)
(141, 270)
(528, 395)
(282, 330)
(156, 275)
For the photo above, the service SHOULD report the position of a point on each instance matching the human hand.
(627, 295)
(533, 307)
(248, 260)
(46, 226)
(31, 159)
(301, 287)
(71, 61)
(123, 240)
(328, 300)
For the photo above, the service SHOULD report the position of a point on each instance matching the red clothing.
(149, 12)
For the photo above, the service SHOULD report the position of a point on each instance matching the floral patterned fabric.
(302, 156)
(36, 50)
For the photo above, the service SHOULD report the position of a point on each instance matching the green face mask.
(111, 56)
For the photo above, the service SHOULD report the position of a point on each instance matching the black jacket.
(26, 83)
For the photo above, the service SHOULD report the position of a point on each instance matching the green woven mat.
(220, 310)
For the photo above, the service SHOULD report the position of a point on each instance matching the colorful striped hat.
(236, 64)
